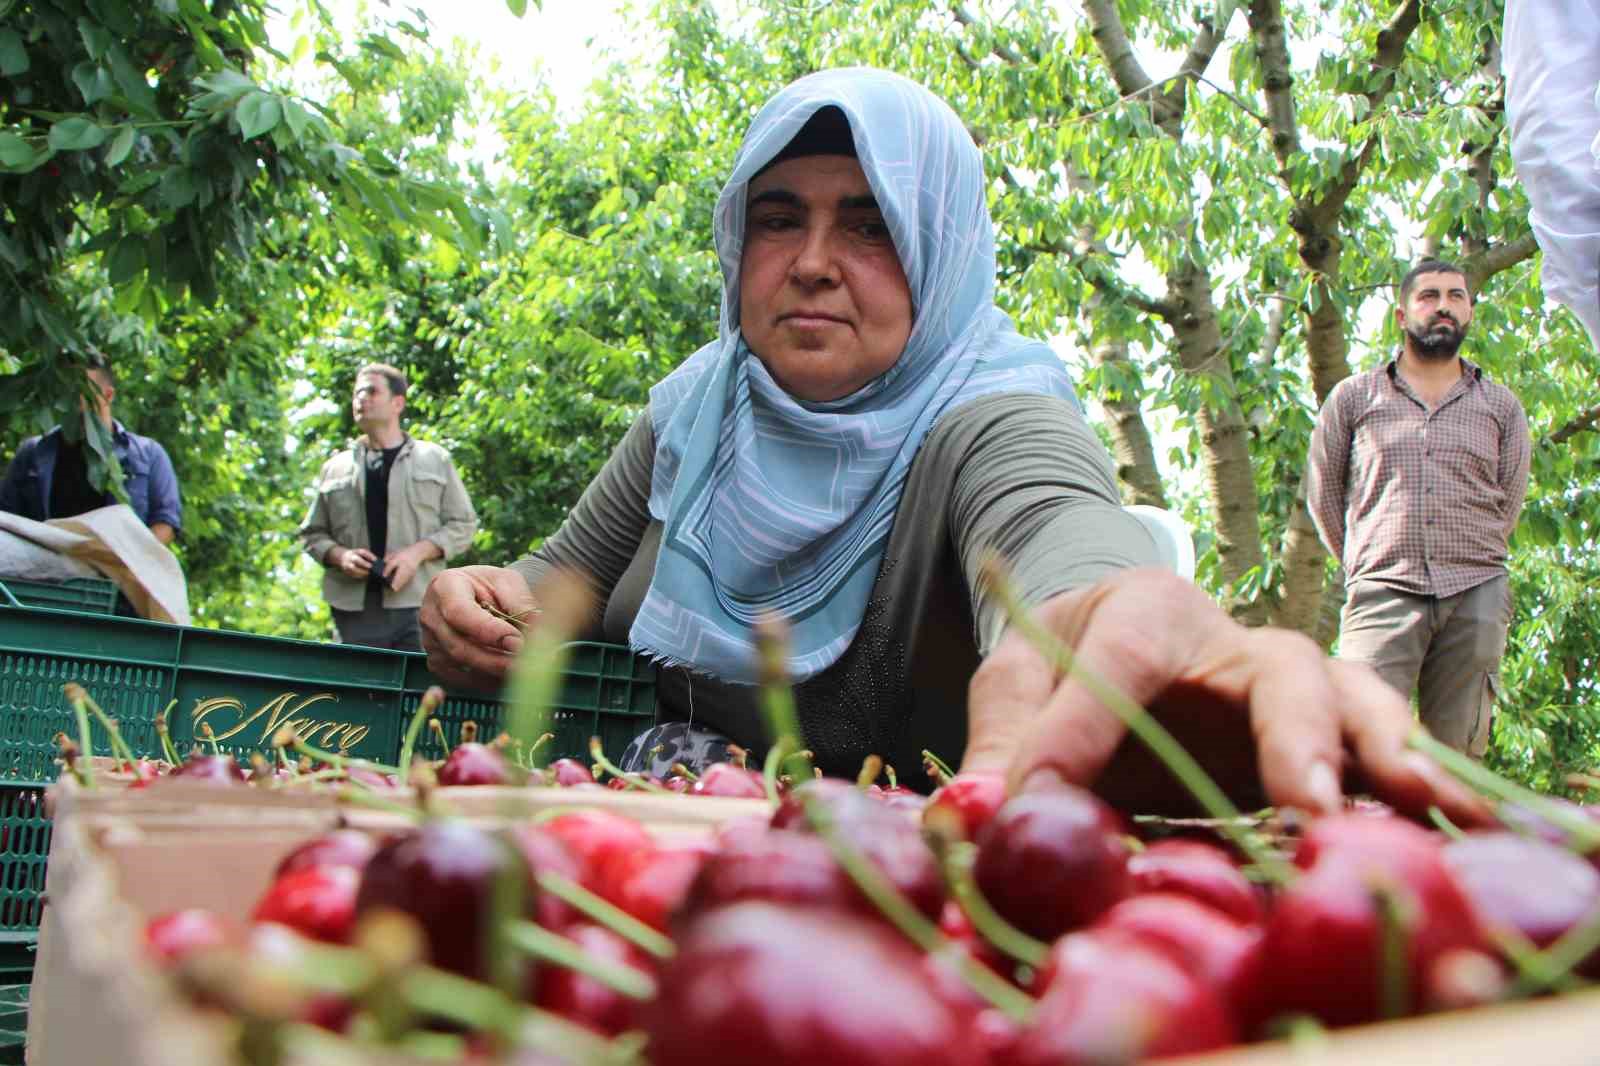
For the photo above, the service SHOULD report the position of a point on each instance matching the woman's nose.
(816, 261)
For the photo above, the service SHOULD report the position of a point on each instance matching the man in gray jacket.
(388, 512)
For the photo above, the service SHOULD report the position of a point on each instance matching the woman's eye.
(874, 231)
(772, 223)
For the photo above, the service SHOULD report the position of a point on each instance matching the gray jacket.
(426, 502)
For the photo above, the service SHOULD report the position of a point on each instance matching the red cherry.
(583, 999)
(337, 847)
(212, 769)
(595, 838)
(1525, 884)
(726, 779)
(1050, 862)
(794, 986)
(318, 901)
(1325, 937)
(567, 772)
(1112, 997)
(472, 763)
(1205, 872)
(1223, 953)
(651, 885)
(175, 935)
(443, 875)
(966, 803)
(545, 853)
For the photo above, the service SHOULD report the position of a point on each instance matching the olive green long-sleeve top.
(1021, 473)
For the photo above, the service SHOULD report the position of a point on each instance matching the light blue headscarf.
(773, 504)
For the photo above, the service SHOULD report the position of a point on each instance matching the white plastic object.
(1172, 537)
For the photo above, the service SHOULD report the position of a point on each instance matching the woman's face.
(823, 300)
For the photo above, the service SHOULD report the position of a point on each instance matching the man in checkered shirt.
(1418, 471)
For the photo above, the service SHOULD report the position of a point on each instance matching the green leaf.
(177, 189)
(93, 81)
(13, 54)
(15, 152)
(96, 38)
(126, 259)
(258, 113)
(121, 145)
(517, 7)
(76, 134)
(297, 118)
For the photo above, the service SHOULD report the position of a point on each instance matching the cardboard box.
(95, 1000)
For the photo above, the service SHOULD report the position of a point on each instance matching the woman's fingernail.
(1422, 766)
(1044, 779)
(1322, 785)
(512, 644)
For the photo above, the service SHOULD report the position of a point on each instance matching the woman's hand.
(468, 641)
(1263, 710)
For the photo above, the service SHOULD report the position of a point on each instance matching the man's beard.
(1439, 340)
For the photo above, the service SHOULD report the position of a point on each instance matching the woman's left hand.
(1265, 711)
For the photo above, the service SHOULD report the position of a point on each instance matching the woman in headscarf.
(865, 428)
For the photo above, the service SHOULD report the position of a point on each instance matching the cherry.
(596, 837)
(651, 885)
(966, 803)
(178, 934)
(772, 865)
(1203, 871)
(545, 853)
(1112, 997)
(726, 779)
(583, 999)
(1222, 952)
(318, 901)
(1326, 934)
(212, 769)
(1525, 884)
(471, 763)
(443, 875)
(1050, 862)
(370, 778)
(797, 986)
(337, 847)
(570, 772)
(837, 794)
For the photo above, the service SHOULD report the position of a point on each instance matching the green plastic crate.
(247, 687)
(92, 595)
(13, 1023)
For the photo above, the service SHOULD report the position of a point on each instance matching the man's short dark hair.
(1430, 266)
(393, 376)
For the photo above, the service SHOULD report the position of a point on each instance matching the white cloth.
(1550, 55)
(117, 544)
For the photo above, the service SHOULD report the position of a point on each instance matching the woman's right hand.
(469, 644)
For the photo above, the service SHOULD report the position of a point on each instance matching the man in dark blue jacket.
(49, 477)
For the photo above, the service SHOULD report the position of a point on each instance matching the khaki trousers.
(1445, 649)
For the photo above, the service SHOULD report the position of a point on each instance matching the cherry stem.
(871, 767)
(607, 914)
(938, 764)
(288, 738)
(1552, 967)
(680, 770)
(86, 751)
(956, 857)
(777, 700)
(1138, 721)
(438, 734)
(1444, 824)
(536, 672)
(1584, 835)
(912, 924)
(429, 703)
(333, 773)
(168, 751)
(769, 769)
(119, 746)
(209, 735)
(1394, 973)
(541, 943)
(597, 753)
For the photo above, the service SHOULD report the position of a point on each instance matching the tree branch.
(1584, 422)
(1272, 52)
(1481, 266)
(1111, 37)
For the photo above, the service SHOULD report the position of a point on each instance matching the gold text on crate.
(282, 710)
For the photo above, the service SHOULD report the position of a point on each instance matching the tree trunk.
(1130, 438)
(1223, 435)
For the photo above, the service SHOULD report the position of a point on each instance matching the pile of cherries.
(862, 926)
